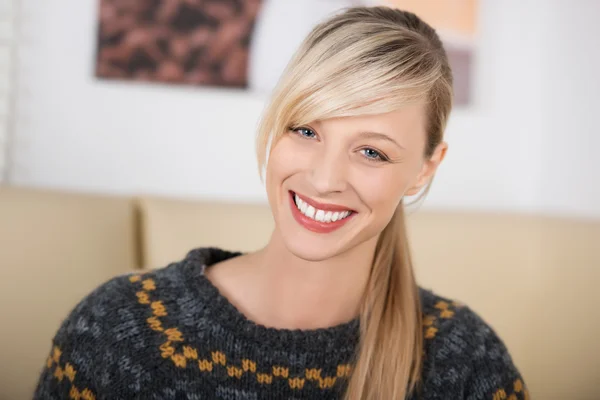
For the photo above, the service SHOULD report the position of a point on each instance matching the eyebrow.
(382, 136)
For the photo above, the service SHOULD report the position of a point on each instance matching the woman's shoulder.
(119, 299)
(108, 337)
(465, 354)
(135, 296)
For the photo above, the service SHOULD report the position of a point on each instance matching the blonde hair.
(371, 60)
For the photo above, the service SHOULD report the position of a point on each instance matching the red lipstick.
(314, 225)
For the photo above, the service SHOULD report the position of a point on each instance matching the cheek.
(381, 189)
(283, 163)
(286, 159)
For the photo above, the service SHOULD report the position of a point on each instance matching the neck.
(299, 294)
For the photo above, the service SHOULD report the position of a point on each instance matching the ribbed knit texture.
(170, 334)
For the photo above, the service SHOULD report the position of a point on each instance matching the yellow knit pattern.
(444, 310)
(182, 354)
(516, 392)
(175, 349)
(67, 373)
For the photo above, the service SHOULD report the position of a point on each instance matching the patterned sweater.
(170, 334)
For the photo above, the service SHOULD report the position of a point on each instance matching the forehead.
(407, 124)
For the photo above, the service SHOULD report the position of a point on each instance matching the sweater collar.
(223, 312)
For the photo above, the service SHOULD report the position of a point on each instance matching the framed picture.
(178, 41)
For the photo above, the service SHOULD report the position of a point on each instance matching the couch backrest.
(170, 228)
(532, 278)
(54, 249)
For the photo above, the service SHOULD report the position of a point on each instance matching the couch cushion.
(170, 228)
(55, 248)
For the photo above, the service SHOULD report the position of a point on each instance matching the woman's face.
(335, 184)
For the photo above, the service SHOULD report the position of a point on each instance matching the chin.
(306, 246)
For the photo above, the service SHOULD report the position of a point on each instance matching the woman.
(329, 309)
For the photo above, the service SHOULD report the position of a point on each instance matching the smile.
(318, 217)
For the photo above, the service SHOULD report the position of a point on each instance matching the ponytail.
(390, 351)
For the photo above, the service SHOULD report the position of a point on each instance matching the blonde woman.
(329, 308)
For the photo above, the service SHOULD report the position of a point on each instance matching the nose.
(329, 172)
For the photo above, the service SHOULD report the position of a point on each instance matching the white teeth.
(319, 215)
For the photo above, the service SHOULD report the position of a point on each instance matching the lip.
(322, 206)
(317, 226)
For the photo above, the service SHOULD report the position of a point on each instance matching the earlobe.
(428, 170)
(412, 191)
(416, 188)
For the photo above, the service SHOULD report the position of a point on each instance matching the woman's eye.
(305, 132)
(373, 155)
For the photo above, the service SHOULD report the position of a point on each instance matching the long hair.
(371, 60)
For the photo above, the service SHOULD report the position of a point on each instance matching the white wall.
(570, 145)
(79, 133)
(513, 151)
(8, 45)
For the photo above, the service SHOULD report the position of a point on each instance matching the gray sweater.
(170, 334)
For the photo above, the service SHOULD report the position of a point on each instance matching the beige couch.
(534, 279)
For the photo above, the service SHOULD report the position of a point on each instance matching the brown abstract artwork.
(198, 42)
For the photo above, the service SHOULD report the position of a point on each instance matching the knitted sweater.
(170, 334)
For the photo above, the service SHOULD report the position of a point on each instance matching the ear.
(428, 169)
